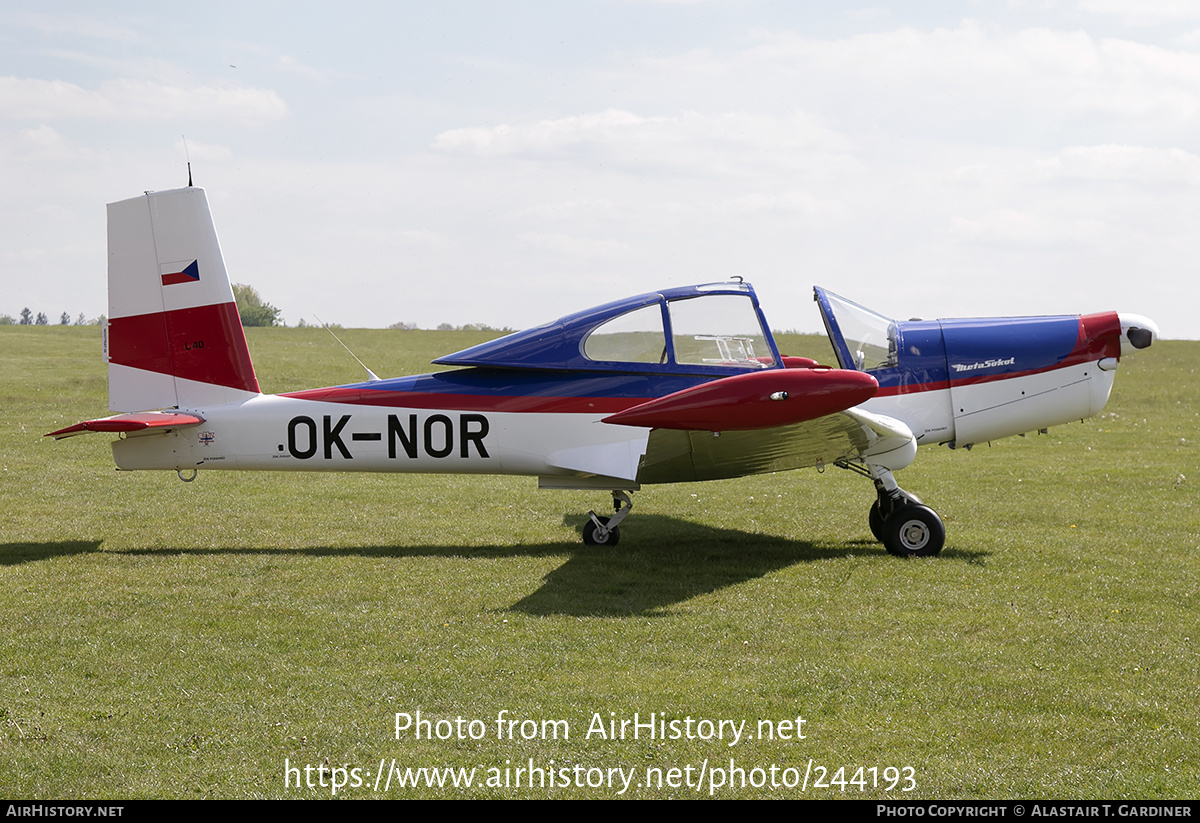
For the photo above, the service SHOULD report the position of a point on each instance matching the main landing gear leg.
(900, 521)
(603, 531)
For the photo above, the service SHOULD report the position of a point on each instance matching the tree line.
(27, 318)
(253, 310)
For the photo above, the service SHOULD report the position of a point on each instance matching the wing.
(674, 456)
(767, 421)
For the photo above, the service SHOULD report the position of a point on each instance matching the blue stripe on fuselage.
(936, 354)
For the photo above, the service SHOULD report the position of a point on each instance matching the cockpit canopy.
(716, 328)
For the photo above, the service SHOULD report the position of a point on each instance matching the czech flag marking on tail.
(172, 273)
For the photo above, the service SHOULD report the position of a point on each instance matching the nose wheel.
(603, 531)
(600, 533)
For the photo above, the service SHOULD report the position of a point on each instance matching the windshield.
(868, 339)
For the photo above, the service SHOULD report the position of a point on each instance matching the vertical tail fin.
(174, 337)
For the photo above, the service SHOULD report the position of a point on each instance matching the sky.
(458, 162)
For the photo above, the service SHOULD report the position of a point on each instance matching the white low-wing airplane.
(683, 384)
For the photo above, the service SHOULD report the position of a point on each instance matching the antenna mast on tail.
(187, 154)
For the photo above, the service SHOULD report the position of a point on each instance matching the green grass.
(163, 639)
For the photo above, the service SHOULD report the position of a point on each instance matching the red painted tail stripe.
(204, 343)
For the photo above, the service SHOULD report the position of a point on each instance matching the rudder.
(173, 336)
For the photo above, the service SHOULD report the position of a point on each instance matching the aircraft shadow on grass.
(669, 561)
(14, 554)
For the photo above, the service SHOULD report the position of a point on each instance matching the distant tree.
(42, 319)
(26, 317)
(482, 327)
(65, 320)
(403, 326)
(253, 311)
(7, 320)
(302, 324)
(81, 320)
(445, 327)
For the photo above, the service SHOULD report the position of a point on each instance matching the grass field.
(163, 639)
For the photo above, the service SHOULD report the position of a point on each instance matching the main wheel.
(594, 537)
(875, 518)
(914, 531)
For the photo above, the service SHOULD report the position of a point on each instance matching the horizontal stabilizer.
(756, 400)
(130, 423)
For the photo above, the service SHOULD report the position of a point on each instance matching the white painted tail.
(173, 337)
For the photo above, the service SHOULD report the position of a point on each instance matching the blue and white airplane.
(679, 385)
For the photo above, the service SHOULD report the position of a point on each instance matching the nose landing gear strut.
(603, 531)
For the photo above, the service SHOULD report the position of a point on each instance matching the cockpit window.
(718, 330)
(870, 338)
(633, 337)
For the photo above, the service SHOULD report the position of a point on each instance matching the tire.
(914, 531)
(875, 518)
(875, 521)
(591, 536)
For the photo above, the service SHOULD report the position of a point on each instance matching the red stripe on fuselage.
(469, 402)
(912, 388)
(204, 343)
(944, 385)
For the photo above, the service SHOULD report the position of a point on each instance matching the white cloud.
(402, 238)
(1137, 165)
(959, 80)
(1146, 166)
(780, 202)
(1188, 39)
(731, 143)
(125, 99)
(1143, 12)
(290, 65)
(572, 246)
(196, 150)
(79, 25)
(541, 137)
(46, 144)
(1008, 228)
